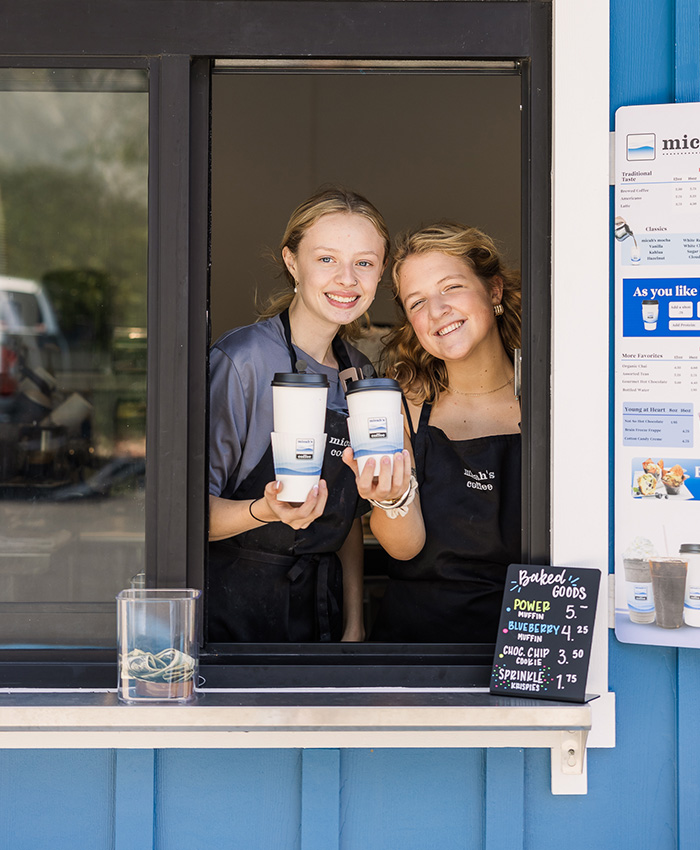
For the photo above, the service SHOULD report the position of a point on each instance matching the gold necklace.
(487, 392)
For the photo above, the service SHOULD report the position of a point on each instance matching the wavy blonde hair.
(332, 199)
(422, 376)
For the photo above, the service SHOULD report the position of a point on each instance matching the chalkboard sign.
(544, 638)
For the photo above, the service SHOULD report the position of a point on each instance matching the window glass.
(73, 269)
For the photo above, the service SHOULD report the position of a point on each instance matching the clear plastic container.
(158, 644)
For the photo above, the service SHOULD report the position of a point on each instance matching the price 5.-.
(570, 612)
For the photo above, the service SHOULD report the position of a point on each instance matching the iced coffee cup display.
(375, 423)
(638, 584)
(299, 439)
(668, 577)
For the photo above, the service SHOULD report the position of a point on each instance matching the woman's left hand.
(387, 484)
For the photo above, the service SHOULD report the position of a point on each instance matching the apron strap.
(419, 437)
(327, 608)
(345, 368)
(424, 415)
(411, 430)
(284, 318)
(326, 603)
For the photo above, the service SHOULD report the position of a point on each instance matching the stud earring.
(498, 309)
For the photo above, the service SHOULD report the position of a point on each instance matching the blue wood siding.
(643, 795)
(228, 799)
(57, 799)
(397, 798)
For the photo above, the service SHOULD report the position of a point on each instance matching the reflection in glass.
(73, 251)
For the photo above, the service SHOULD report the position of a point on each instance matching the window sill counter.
(312, 718)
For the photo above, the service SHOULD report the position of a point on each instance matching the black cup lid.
(690, 547)
(299, 379)
(365, 384)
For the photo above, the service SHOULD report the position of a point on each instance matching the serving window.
(425, 142)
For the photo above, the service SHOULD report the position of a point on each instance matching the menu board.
(544, 638)
(656, 233)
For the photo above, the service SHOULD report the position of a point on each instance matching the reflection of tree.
(83, 300)
(58, 219)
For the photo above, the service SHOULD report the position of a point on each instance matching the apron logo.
(337, 441)
(479, 480)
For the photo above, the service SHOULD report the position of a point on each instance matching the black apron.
(275, 584)
(451, 591)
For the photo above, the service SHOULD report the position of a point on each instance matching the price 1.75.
(569, 678)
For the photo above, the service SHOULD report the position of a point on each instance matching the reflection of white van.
(29, 332)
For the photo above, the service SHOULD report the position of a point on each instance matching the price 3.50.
(576, 654)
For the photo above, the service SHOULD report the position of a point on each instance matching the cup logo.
(305, 448)
(377, 427)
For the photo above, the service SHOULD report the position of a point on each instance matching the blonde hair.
(422, 376)
(333, 199)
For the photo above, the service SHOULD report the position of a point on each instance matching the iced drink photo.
(668, 577)
(638, 587)
(640, 593)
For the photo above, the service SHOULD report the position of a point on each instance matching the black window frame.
(178, 43)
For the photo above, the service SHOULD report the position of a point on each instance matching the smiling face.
(337, 266)
(449, 308)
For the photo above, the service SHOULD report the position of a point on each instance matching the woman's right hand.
(270, 509)
(381, 481)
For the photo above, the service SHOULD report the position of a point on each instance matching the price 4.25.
(580, 630)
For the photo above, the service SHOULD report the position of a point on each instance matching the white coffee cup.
(299, 403)
(375, 423)
(375, 437)
(298, 460)
(374, 397)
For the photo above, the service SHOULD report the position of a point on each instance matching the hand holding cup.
(270, 508)
(384, 481)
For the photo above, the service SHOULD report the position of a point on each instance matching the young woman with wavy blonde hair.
(453, 356)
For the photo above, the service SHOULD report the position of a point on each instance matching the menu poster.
(544, 638)
(657, 374)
